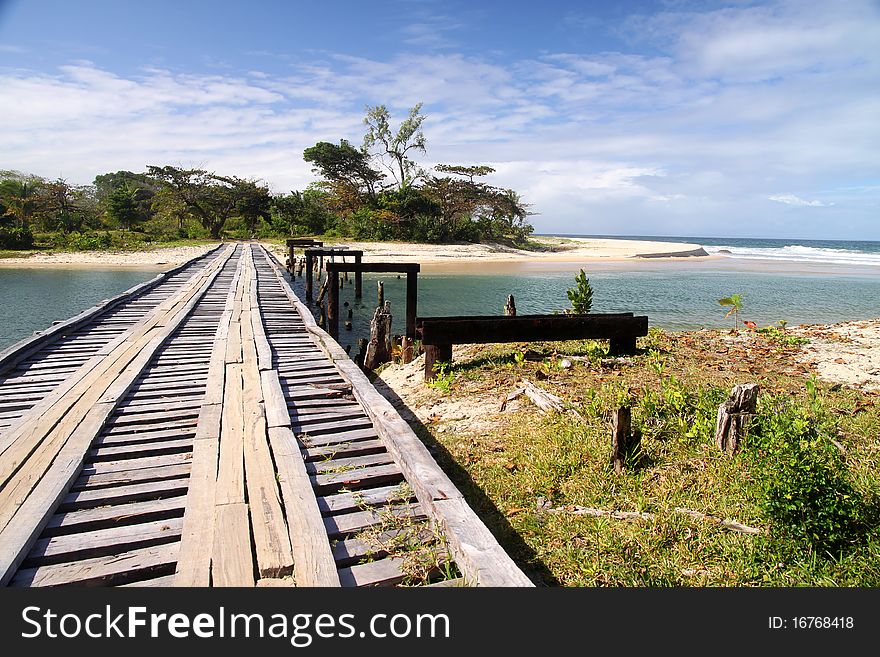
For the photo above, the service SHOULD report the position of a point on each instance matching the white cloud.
(734, 106)
(791, 199)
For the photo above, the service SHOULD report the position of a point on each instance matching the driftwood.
(623, 440)
(734, 415)
(510, 307)
(544, 400)
(379, 346)
(636, 515)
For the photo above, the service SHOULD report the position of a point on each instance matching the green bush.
(16, 238)
(808, 492)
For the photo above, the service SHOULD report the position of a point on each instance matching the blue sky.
(686, 118)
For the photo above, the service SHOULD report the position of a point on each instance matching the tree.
(344, 164)
(66, 208)
(300, 213)
(20, 200)
(210, 198)
(395, 147)
(123, 206)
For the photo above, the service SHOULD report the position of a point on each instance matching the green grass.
(816, 505)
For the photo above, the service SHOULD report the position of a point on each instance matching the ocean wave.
(798, 253)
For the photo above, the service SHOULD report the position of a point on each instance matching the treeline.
(374, 192)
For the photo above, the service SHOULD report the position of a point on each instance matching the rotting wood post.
(309, 275)
(434, 355)
(379, 347)
(623, 440)
(406, 350)
(358, 278)
(380, 294)
(333, 304)
(510, 307)
(734, 415)
(362, 352)
(412, 296)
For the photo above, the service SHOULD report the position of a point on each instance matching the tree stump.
(406, 350)
(623, 440)
(510, 307)
(379, 346)
(734, 415)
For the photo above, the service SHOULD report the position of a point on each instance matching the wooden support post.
(621, 346)
(510, 307)
(412, 295)
(380, 295)
(434, 355)
(333, 304)
(623, 440)
(734, 415)
(362, 352)
(358, 278)
(406, 350)
(309, 272)
(379, 347)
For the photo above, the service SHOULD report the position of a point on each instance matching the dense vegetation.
(374, 192)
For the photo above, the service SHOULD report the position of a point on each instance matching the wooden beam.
(528, 328)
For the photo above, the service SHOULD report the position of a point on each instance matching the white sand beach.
(161, 257)
(554, 249)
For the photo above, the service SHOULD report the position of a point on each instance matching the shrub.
(581, 296)
(16, 238)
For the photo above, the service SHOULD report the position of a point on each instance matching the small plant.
(581, 297)
(735, 302)
(519, 358)
(780, 337)
(443, 379)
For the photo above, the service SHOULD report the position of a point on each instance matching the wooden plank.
(356, 479)
(340, 463)
(313, 560)
(232, 563)
(112, 516)
(103, 542)
(345, 502)
(384, 572)
(114, 569)
(347, 524)
(230, 474)
(91, 498)
(344, 450)
(125, 477)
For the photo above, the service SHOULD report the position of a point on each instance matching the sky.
(677, 117)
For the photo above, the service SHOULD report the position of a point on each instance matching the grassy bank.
(806, 475)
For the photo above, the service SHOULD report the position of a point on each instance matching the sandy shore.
(847, 353)
(161, 258)
(554, 252)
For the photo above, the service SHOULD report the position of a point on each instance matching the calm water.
(31, 298)
(800, 281)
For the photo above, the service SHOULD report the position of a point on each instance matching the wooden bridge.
(201, 430)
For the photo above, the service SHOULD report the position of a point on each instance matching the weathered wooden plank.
(347, 524)
(344, 450)
(384, 572)
(346, 502)
(356, 479)
(230, 474)
(232, 562)
(340, 463)
(112, 516)
(103, 542)
(114, 569)
(141, 475)
(313, 560)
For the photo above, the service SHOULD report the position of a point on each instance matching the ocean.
(799, 281)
